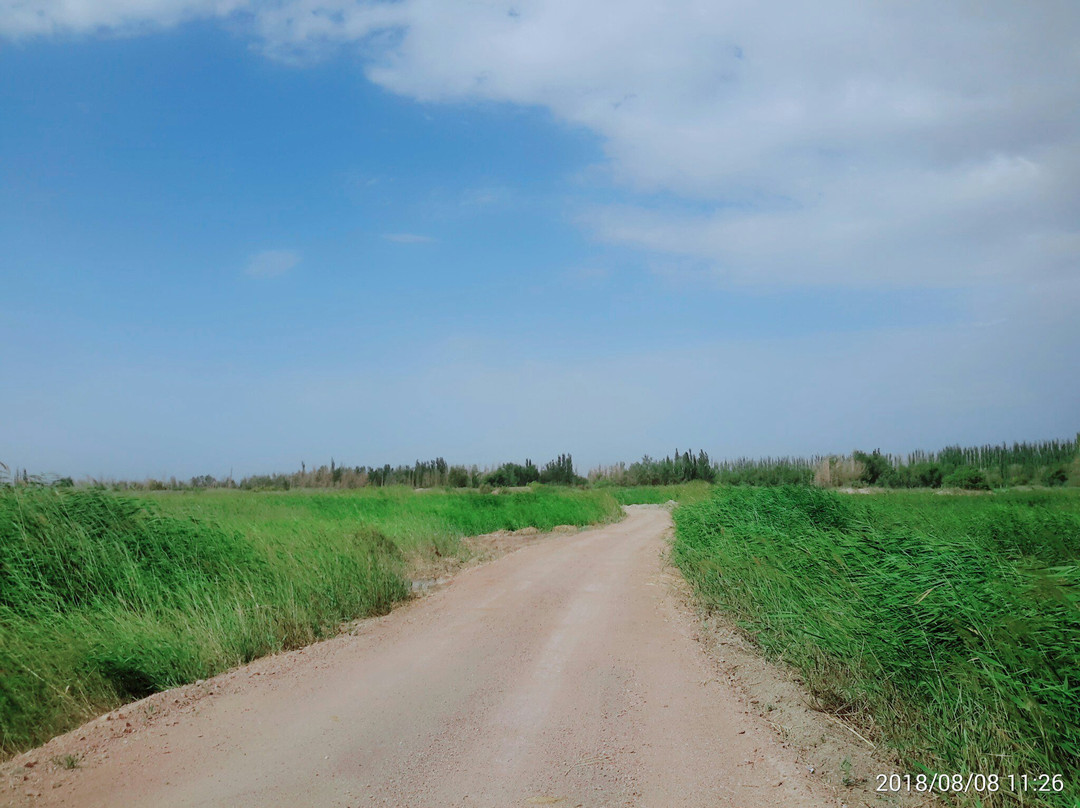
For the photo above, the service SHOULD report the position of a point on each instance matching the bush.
(876, 467)
(457, 477)
(1056, 476)
(927, 475)
(968, 478)
(510, 475)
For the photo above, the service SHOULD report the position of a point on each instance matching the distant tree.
(925, 475)
(457, 477)
(1058, 475)
(509, 475)
(876, 467)
(561, 472)
(967, 477)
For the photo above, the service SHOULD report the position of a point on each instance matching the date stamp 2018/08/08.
(971, 782)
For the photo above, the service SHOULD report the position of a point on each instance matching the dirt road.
(564, 674)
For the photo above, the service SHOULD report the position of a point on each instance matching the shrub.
(925, 475)
(968, 478)
(1055, 476)
(457, 477)
(876, 466)
(509, 475)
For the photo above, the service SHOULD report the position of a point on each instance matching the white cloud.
(43, 17)
(407, 238)
(839, 142)
(271, 263)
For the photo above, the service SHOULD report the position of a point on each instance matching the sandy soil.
(569, 673)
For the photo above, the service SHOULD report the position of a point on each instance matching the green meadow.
(107, 598)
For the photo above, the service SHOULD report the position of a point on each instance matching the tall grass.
(951, 624)
(105, 598)
(414, 521)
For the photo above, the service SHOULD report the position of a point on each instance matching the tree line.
(1047, 463)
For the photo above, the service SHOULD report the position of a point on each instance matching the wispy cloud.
(487, 196)
(408, 238)
(44, 17)
(271, 263)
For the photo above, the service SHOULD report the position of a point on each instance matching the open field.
(106, 598)
(946, 626)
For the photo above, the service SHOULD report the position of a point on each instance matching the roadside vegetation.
(417, 523)
(106, 598)
(946, 627)
(949, 622)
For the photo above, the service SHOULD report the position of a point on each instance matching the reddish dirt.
(567, 674)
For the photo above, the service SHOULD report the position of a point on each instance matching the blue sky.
(237, 236)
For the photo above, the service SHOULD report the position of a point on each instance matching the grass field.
(659, 494)
(106, 598)
(947, 625)
(415, 521)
